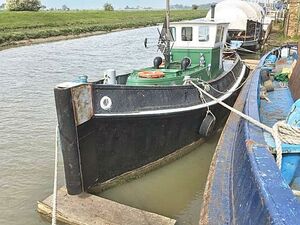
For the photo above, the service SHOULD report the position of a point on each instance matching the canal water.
(28, 119)
(175, 190)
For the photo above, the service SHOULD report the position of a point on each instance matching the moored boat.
(245, 32)
(121, 124)
(252, 181)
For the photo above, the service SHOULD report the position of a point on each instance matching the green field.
(17, 26)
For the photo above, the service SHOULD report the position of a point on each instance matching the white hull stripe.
(183, 109)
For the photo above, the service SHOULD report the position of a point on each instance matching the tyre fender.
(208, 124)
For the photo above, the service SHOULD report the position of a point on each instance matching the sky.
(118, 4)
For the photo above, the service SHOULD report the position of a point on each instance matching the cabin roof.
(199, 22)
(237, 13)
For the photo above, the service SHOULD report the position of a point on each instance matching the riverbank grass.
(277, 37)
(19, 26)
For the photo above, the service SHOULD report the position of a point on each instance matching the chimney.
(212, 11)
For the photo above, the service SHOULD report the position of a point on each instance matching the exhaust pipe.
(212, 11)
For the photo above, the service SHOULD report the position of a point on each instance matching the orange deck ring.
(151, 74)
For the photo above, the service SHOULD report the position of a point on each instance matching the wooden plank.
(85, 209)
(296, 192)
(268, 31)
(251, 63)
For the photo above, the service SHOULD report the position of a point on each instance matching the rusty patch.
(250, 144)
(82, 103)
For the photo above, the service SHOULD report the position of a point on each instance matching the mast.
(167, 51)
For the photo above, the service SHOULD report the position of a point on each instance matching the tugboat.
(121, 125)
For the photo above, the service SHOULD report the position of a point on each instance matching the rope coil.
(283, 132)
(288, 134)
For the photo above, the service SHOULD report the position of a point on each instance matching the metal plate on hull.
(82, 103)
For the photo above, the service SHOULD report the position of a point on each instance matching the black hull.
(130, 143)
(146, 124)
(251, 46)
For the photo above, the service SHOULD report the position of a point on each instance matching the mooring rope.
(54, 199)
(281, 131)
(208, 86)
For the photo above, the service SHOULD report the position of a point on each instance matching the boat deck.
(276, 108)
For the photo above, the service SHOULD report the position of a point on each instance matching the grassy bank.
(277, 38)
(18, 26)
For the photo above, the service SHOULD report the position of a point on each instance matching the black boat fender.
(208, 124)
(185, 63)
(157, 62)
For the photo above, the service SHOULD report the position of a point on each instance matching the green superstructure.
(197, 53)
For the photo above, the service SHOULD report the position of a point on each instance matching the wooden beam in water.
(85, 209)
(252, 63)
(296, 192)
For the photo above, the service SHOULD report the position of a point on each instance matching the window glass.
(203, 33)
(173, 33)
(187, 34)
(220, 32)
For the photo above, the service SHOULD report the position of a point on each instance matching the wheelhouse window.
(173, 33)
(220, 33)
(187, 34)
(203, 33)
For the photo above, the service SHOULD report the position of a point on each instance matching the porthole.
(105, 103)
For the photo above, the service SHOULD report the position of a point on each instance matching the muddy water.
(174, 190)
(28, 119)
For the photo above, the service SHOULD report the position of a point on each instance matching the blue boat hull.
(245, 185)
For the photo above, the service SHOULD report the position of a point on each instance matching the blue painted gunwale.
(244, 185)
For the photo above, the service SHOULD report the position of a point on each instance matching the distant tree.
(2, 6)
(108, 7)
(195, 7)
(65, 8)
(177, 6)
(127, 7)
(23, 5)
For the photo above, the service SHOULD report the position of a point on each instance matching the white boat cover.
(261, 12)
(237, 12)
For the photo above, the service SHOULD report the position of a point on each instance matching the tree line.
(36, 5)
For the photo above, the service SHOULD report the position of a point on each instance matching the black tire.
(207, 126)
